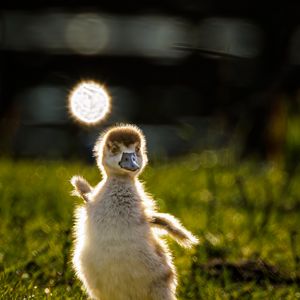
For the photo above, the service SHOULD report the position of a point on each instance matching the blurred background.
(215, 86)
(196, 76)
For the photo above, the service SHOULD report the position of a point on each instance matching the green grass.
(246, 212)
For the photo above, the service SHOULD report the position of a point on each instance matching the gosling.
(119, 253)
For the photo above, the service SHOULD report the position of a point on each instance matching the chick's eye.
(137, 149)
(114, 149)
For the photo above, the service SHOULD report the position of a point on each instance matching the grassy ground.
(247, 218)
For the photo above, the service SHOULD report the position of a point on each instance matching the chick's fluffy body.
(118, 256)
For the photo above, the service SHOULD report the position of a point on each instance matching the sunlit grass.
(240, 212)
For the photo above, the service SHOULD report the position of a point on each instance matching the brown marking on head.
(123, 135)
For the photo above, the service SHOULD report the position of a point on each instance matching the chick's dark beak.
(129, 162)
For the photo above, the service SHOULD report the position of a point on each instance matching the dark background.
(195, 75)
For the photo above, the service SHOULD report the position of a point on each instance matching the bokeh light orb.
(89, 102)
